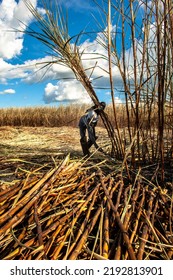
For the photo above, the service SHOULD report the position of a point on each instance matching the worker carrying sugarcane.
(88, 123)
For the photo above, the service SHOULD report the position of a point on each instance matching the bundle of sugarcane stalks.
(77, 212)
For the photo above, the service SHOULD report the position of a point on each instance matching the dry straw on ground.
(78, 210)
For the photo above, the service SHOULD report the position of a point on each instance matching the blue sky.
(21, 81)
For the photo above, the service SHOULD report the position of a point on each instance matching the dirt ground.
(23, 149)
(20, 141)
(28, 147)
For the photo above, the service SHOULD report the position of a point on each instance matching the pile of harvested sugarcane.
(74, 212)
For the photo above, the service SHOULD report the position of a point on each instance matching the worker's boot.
(84, 146)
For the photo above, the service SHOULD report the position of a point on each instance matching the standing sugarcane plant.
(146, 70)
(52, 31)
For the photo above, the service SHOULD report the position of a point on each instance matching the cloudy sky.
(23, 82)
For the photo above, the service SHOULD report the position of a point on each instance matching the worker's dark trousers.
(83, 139)
(84, 146)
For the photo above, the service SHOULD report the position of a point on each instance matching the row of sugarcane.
(75, 212)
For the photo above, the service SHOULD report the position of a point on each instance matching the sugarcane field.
(86, 130)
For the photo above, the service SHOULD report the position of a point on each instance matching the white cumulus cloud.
(11, 11)
(8, 91)
(65, 91)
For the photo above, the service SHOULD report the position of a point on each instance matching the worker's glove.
(100, 150)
